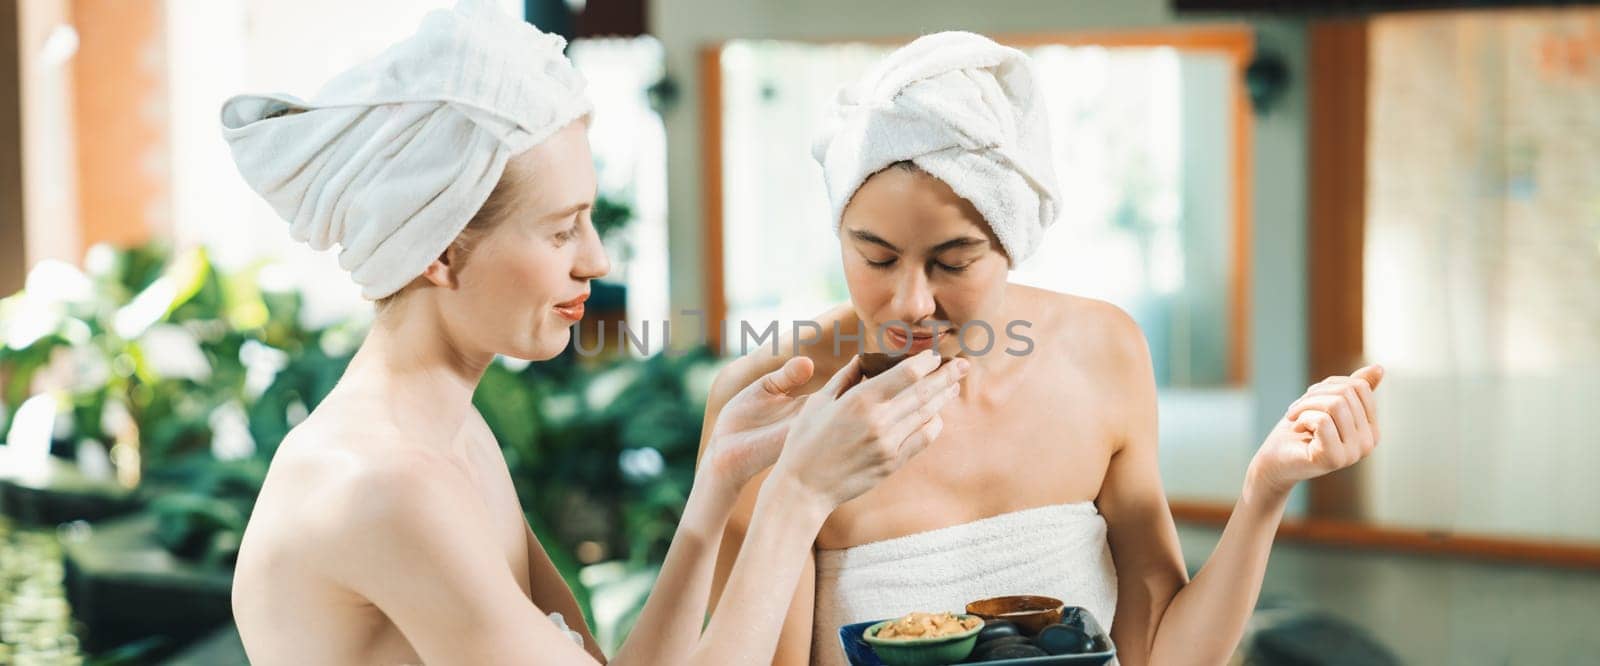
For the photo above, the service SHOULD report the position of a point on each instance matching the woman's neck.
(995, 373)
(422, 377)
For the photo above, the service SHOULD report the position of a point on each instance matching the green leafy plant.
(602, 455)
(601, 451)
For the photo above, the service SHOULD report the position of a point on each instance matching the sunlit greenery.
(181, 379)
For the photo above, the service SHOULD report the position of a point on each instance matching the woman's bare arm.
(1162, 618)
(775, 554)
(794, 642)
(551, 594)
(837, 447)
(669, 628)
(1140, 529)
(412, 547)
(407, 538)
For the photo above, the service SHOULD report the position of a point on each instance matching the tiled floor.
(1437, 611)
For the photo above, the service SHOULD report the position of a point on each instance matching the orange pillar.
(120, 97)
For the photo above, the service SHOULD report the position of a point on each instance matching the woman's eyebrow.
(869, 237)
(954, 243)
(962, 242)
(567, 212)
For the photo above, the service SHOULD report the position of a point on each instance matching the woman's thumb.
(847, 376)
(791, 377)
(1372, 374)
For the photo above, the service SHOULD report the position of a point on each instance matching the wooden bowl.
(877, 363)
(1029, 612)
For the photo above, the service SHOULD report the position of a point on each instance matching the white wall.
(1278, 293)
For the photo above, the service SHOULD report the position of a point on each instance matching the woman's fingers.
(1360, 414)
(1364, 391)
(894, 431)
(1326, 449)
(1318, 399)
(1372, 375)
(1333, 426)
(1356, 396)
(785, 381)
(1341, 420)
(919, 440)
(902, 376)
(1352, 428)
(1365, 382)
(1340, 437)
(927, 389)
(1369, 407)
(846, 377)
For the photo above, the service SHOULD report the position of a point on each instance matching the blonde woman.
(453, 171)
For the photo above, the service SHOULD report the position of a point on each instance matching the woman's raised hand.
(751, 427)
(852, 434)
(1333, 426)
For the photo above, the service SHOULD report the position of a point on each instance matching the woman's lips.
(896, 340)
(572, 310)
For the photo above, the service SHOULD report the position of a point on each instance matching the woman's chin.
(543, 347)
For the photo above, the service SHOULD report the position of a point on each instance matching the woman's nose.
(592, 262)
(913, 298)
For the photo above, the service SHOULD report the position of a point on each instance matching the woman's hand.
(843, 442)
(1333, 426)
(751, 427)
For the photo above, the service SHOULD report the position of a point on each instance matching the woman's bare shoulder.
(337, 480)
(1087, 330)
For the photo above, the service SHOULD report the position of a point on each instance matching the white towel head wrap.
(963, 109)
(391, 159)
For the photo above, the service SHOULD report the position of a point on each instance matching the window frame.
(1235, 43)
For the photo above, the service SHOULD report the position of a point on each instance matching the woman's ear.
(439, 271)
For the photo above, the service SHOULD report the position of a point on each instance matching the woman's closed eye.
(955, 267)
(886, 263)
(567, 234)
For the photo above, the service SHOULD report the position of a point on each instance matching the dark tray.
(861, 654)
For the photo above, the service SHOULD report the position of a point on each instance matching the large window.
(1147, 149)
(1482, 292)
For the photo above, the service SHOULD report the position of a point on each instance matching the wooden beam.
(1409, 541)
(13, 260)
(716, 295)
(1235, 41)
(1243, 210)
(1335, 235)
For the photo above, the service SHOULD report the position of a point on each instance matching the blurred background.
(1277, 191)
